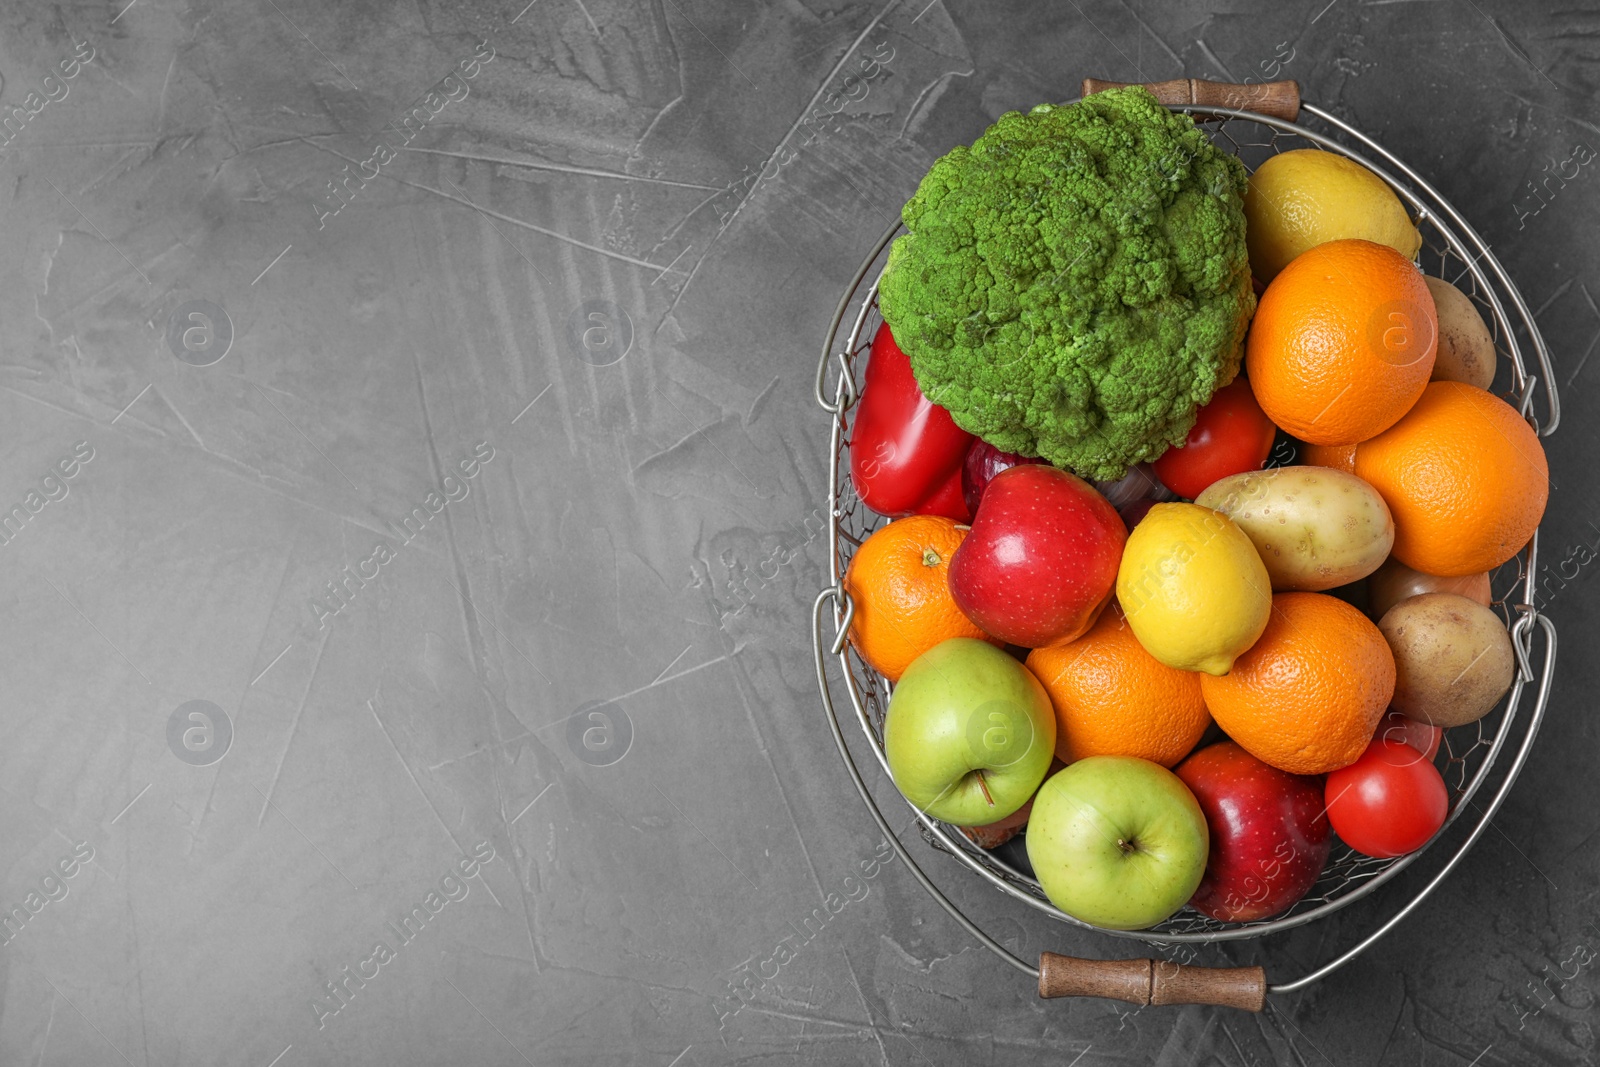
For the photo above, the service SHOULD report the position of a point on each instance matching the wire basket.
(1468, 754)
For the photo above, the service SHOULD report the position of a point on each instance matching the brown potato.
(1452, 656)
(1315, 527)
(1466, 350)
(1394, 582)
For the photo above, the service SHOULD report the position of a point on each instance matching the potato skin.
(1466, 350)
(1453, 658)
(1315, 527)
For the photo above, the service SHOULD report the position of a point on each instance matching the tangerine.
(1465, 477)
(1343, 342)
(1112, 698)
(1308, 694)
(899, 582)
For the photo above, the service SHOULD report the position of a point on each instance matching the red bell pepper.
(906, 452)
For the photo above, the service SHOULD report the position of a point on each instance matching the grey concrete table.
(409, 405)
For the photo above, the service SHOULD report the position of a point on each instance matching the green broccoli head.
(1076, 283)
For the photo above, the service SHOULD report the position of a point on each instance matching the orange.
(899, 581)
(1339, 457)
(1112, 698)
(1308, 694)
(1465, 478)
(1342, 342)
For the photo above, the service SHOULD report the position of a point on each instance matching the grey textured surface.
(624, 549)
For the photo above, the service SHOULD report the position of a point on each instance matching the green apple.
(969, 734)
(1117, 841)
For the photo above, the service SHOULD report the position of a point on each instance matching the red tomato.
(1422, 736)
(1388, 802)
(1231, 435)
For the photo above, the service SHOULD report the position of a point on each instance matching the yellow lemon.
(1297, 200)
(1193, 588)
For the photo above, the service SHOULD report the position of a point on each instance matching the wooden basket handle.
(1145, 982)
(1278, 99)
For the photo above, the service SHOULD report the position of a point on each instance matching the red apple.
(1269, 835)
(1422, 736)
(1041, 558)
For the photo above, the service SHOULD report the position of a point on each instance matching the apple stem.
(985, 787)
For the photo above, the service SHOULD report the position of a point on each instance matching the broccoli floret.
(1076, 283)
